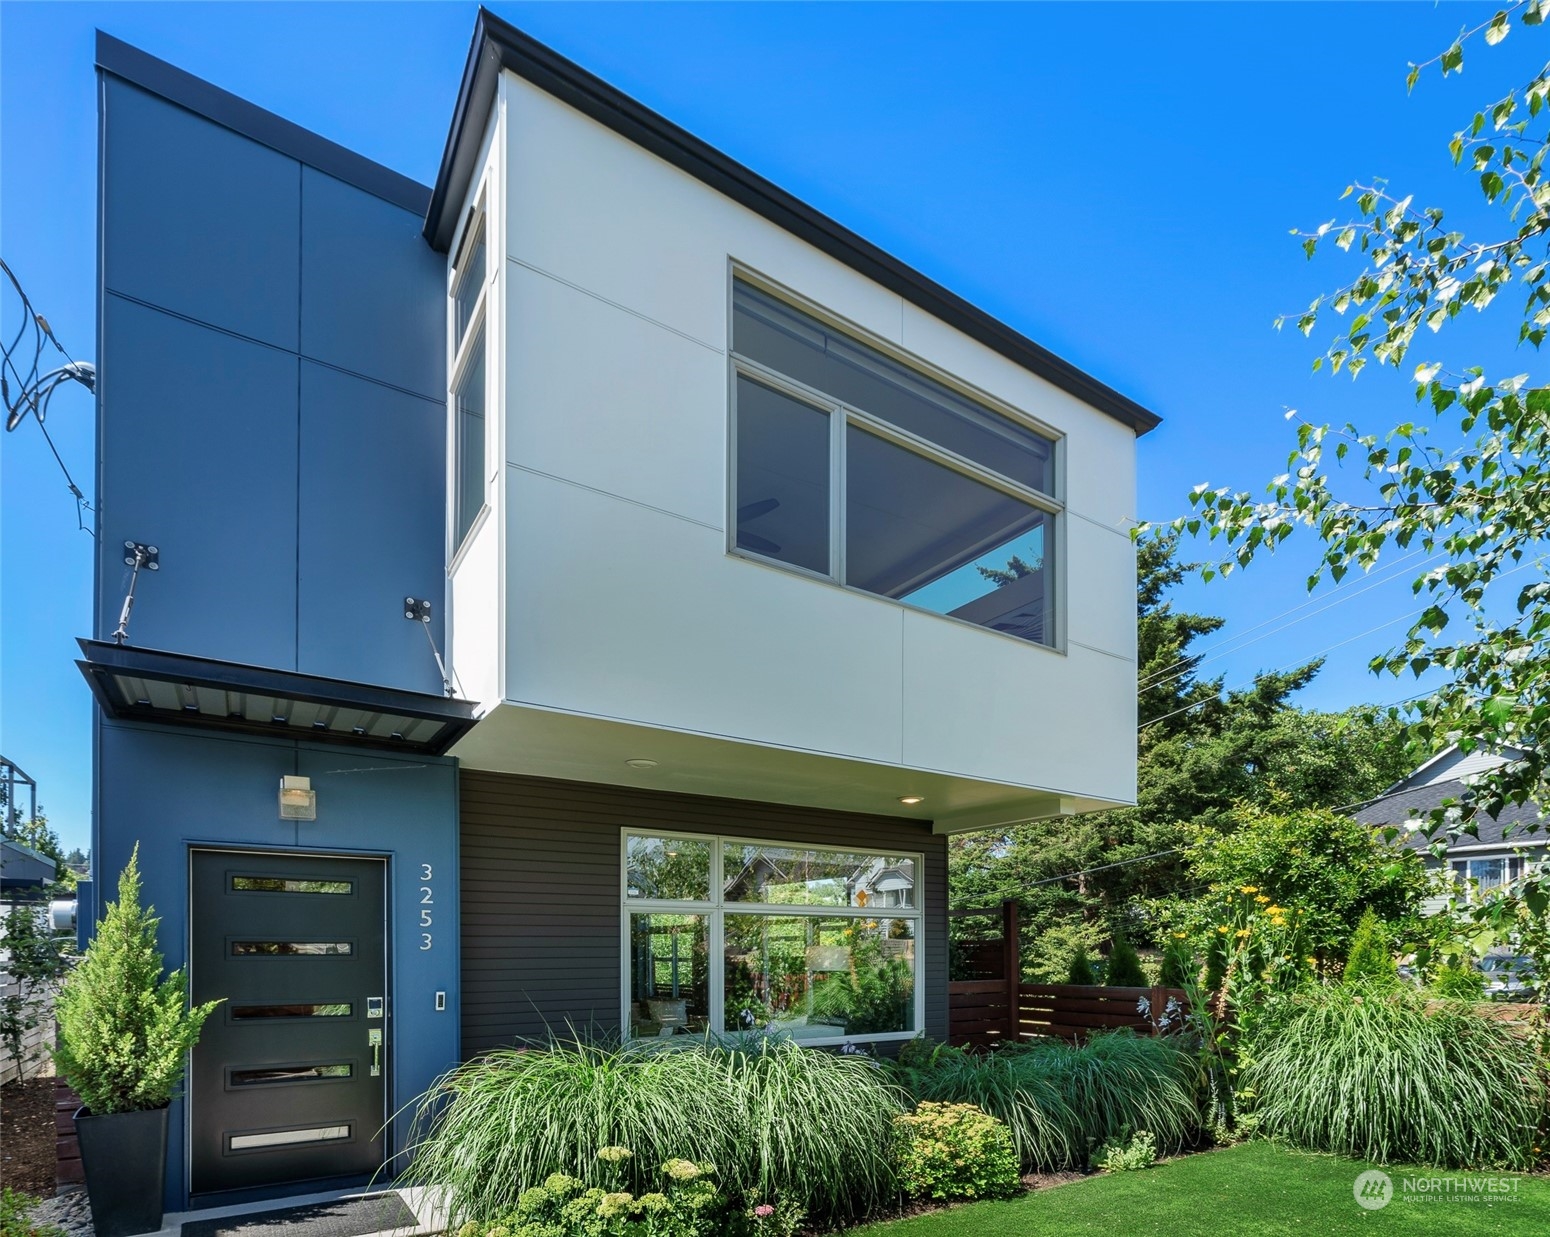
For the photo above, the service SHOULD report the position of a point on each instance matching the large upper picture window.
(853, 466)
(724, 935)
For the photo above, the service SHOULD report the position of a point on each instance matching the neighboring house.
(1502, 847)
(24, 872)
(759, 563)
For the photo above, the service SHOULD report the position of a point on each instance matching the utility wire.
(1321, 652)
(1235, 644)
(34, 389)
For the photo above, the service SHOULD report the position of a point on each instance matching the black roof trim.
(497, 44)
(200, 97)
(104, 662)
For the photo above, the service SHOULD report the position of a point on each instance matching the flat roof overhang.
(135, 684)
(498, 45)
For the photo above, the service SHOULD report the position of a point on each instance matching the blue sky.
(1115, 180)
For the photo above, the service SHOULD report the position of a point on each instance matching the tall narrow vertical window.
(470, 279)
(853, 465)
(470, 439)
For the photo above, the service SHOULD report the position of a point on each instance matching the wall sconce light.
(298, 801)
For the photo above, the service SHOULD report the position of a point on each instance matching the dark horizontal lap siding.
(540, 893)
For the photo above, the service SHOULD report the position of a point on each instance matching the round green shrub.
(1458, 982)
(951, 1151)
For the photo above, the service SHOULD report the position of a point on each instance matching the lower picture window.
(831, 955)
(814, 978)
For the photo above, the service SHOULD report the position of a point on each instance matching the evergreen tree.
(1124, 968)
(1080, 970)
(1371, 959)
(125, 1028)
(1202, 752)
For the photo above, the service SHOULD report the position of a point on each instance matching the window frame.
(461, 350)
(716, 908)
(842, 415)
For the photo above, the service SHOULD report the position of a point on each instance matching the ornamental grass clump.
(813, 1129)
(1383, 1074)
(1020, 1089)
(949, 1151)
(1059, 1100)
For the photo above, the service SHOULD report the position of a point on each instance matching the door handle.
(374, 1038)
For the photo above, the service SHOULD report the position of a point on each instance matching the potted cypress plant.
(125, 1030)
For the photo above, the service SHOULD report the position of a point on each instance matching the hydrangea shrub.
(951, 1151)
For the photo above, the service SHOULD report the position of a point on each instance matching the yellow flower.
(1274, 910)
(1179, 936)
(1249, 889)
(1261, 898)
(1243, 932)
(1223, 928)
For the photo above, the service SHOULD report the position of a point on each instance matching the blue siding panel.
(372, 478)
(373, 292)
(171, 790)
(199, 458)
(199, 220)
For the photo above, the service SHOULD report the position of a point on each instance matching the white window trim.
(715, 909)
(843, 415)
(459, 352)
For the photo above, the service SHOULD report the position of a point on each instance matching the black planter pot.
(124, 1155)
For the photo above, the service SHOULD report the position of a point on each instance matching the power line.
(1186, 665)
(21, 362)
(1322, 652)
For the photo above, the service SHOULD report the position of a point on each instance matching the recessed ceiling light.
(912, 800)
(641, 764)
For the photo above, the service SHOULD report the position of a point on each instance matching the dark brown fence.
(1073, 1011)
(987, 1003)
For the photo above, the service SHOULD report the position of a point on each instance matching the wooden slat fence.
(1074, 1011)
(33, 1042)
(988, 1004)
(68, 1174)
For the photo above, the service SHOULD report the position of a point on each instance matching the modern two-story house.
(586, 593)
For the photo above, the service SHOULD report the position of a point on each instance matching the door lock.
(373, 1007)
(374, 1038)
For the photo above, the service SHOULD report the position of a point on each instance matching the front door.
(287, 1082)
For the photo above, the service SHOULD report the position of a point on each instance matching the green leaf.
(1497, 30)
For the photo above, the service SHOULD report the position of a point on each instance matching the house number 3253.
(427, 901)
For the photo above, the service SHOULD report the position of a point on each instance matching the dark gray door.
(287, 1082)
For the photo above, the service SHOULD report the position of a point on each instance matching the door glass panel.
(339, 1010)
(290, 949)
(289, 1073)
(280, 884)
(669, 975)
(283, 1138)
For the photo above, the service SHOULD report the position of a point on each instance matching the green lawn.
(1255, 1188)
